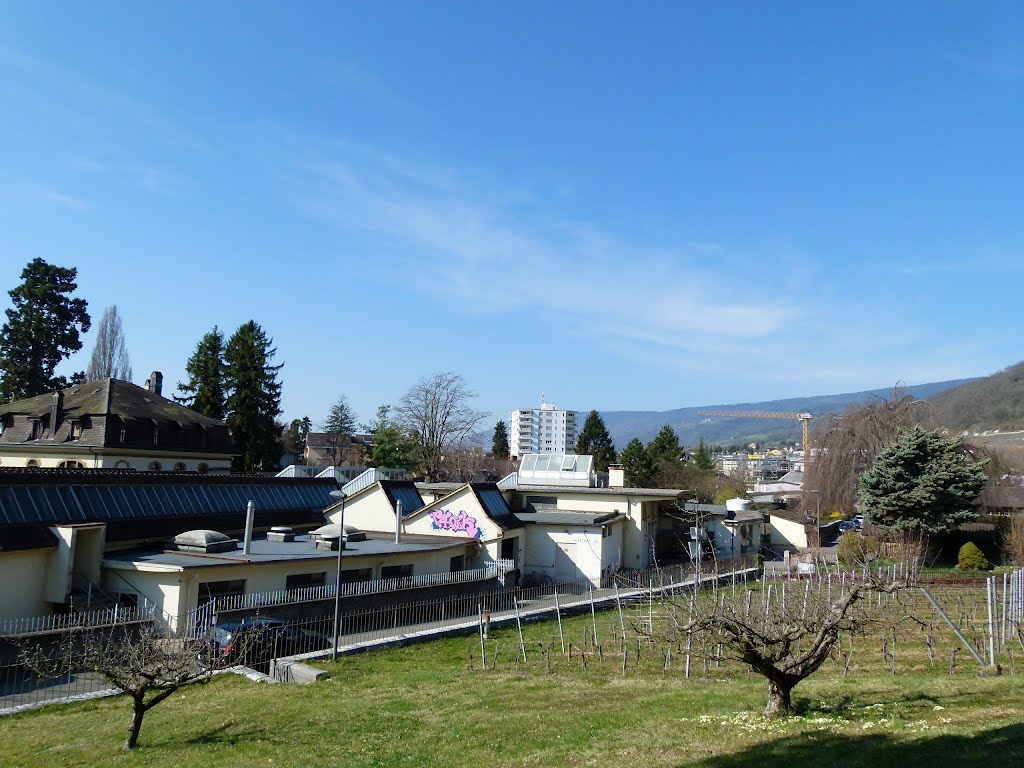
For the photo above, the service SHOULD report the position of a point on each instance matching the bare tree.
(138, 659)
(784, 638)
(847, 445)
(437, 414)
(110, 355)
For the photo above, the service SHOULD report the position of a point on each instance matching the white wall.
(572, 554)
(370, 511)
(23, 579)
(787, 532)
(113, 461)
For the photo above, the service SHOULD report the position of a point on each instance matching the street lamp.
(337, 581)
(817, 513)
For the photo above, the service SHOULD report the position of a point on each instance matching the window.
(208, 590)
(458, 563)
(300, 580)
(203, 468)
(179, 466)
(395, 571)
(76, 430)
(122, 464)
(32, 463)
(37, 429)
(127, 599)
(154, 466)
(71, 464)
(356, 574)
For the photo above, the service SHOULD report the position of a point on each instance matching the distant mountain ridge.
(720, 430)
(995, 402)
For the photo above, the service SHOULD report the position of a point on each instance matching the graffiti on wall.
(458, 522)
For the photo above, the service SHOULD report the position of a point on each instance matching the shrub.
(853, 549)
(972, 559)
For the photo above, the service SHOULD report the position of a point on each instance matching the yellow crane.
(803, 417)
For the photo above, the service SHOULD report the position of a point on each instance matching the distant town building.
(542, 430)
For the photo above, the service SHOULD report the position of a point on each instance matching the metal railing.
(60, 622)
(353, 588)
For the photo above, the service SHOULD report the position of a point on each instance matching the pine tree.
(665, 446)
(341, 419)
(637, 465)
(595, 441)
(702, 457)
(254, 398)
(923, 483)
(44, 325)
(499, 445)
(391, 446)
(205, 389)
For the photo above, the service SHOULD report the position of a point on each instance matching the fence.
(62, 622)
(313, 637)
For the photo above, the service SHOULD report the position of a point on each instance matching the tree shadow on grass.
(1003, 746)
(230, 733)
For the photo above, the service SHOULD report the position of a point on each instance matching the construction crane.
(803, 417)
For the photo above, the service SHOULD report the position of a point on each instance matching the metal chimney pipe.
(398, 522)
(250, 516)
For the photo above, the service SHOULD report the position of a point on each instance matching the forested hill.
(717, 430)
(994, 402)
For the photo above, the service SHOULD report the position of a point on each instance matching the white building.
(542, 430)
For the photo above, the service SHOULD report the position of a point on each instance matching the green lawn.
(422, 706)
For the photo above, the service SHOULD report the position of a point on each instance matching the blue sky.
(624, 206)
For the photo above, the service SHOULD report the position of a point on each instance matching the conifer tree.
(637, 465)
(702, 457)
(665, 446)
(922, 483)
(341, 419)
(205, 389)
(499, 445)
(254, 398)
(595, 441)
(44, 325)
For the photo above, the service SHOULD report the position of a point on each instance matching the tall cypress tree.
(499, 445)
(44, 325)
(204, 390)
(595, 441)
(254, 398)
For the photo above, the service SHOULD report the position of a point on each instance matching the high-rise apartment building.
(542, 430)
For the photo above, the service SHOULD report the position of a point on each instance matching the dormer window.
(76, 430)
(38, 432)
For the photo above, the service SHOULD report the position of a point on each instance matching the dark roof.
(553, 517)
(404, 490)
(97, 404)
(495, 506)
(21, 537)
(81, 496)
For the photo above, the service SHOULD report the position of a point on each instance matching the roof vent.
(331, 531)
(281, 533)
(204, 541)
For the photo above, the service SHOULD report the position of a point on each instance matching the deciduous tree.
(254, 398)
(922, 483)
(391, 446)
(110, 353)
(205, 389)
(44, 325)
(595, 441)
(436, 413)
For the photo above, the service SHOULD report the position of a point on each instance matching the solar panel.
(410, 498)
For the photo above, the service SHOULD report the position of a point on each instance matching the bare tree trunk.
(135, 726)
(780, 703)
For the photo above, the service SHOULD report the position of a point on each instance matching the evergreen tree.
(499, 445)
(341, 419)
(923, 483)
(44, 325)
(665, 446)
(298, 430)
(205, 389)
(637, 465)
(254, 398)
(702, 457)
(391, 446)
(595, 441)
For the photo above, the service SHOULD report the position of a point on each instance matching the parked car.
(253, 642)
(858, 521)
(846, 526)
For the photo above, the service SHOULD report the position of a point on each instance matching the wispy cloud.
(492, 255)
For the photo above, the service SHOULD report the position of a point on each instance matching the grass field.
(430, 705)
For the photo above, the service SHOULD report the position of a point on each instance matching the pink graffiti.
(460, 522)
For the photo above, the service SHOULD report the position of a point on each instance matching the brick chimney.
(155, 383)
(56, 411)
